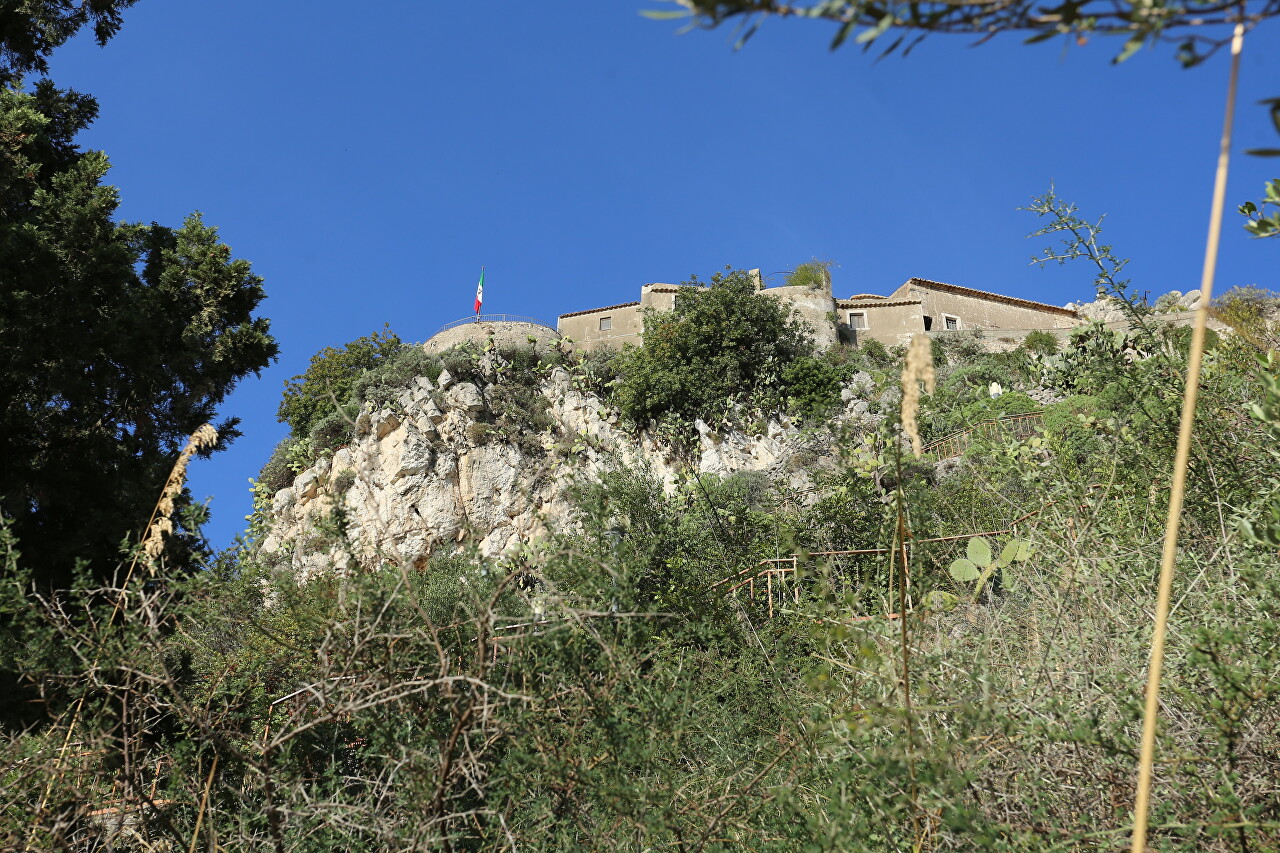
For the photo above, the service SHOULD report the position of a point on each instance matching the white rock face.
(435, 472)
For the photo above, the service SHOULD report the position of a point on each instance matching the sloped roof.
(983, 294)
(596, 310)
(882, 302)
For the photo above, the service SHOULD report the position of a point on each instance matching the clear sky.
(368, 158)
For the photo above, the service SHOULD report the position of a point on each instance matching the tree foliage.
(116, 340)
(1198, 27)
(722, 344)
(31, 29)
(320, 391)
(1264, 216)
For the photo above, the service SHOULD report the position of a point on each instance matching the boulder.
(466, 397)
(431, 411)
(306, 485)
(416, 455)
(386, 421)
(284, 500)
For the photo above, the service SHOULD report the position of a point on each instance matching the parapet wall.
(504, 332)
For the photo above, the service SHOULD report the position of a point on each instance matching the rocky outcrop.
(436, 470)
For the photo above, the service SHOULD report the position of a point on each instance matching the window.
(951, 322)
(606, 323)
(857, 319)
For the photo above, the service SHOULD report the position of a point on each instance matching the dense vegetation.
(606, 689)
(117, 340)
(636, 681)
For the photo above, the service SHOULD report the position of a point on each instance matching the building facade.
(919, 305)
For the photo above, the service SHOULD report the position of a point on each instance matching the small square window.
(952, 322)
(857, 319)
(606, 323)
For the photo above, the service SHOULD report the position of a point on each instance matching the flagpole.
(479, 293)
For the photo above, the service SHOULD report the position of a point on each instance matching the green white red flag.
(480, 291)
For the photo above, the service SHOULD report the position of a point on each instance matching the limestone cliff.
(431, 472)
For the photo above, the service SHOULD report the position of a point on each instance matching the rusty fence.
(780, 581)
(1013, 426)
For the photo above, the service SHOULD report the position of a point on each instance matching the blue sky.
(369, 162)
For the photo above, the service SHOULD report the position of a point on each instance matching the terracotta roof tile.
(597, 310)
(883, 303)
(994, 297)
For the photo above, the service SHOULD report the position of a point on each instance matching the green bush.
(813, 274)
(328, 381)
(344, 481)
(333, 431)
(276, 473)
(1072, 434)
(964, 345)
(813, 385)
(382, 384)
(721, 345)
(1040, 343)
(875, 353)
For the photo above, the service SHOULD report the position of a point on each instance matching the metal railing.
(1018, 426)
(780, 582)
(493, 318)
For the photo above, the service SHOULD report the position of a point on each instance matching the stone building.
(919, 305)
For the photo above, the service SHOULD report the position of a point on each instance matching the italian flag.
(480, 291)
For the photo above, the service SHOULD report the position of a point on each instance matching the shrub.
(327, 383)
(720, 345)
(813, 385)
(344, 481)
(813, 274)
(276, 474)
(463, 362)
(1040, 343)
(383, 383)
(332, 432)
(1071, 435)
(875, 353)
(964, 345)
(1254, 314)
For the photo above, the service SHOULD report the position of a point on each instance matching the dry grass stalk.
(1151, 711)
(917, 370)
(161, 523)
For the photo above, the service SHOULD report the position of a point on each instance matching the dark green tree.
(116, 340)
(31, 29)
(721, 344)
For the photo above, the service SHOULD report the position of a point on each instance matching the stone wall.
(625, 322)
(815, 307)
(888, 321)
(919, 305)
(504, 333)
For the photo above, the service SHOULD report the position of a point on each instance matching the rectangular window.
(951, 322)
(857, 319)
(606, 323)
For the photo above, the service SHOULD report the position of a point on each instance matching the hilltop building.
(919, 305)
